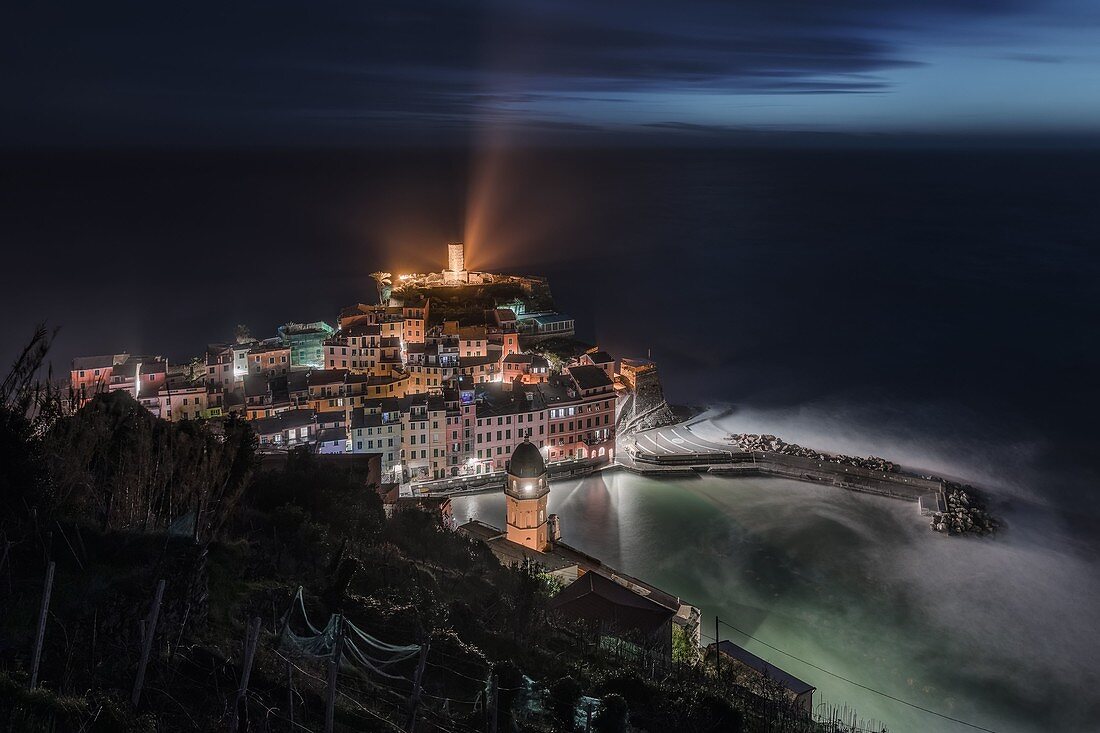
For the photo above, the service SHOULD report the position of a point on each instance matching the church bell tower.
(525, 495)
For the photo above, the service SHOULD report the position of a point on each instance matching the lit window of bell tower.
(525, 494)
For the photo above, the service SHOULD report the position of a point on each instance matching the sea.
(935, 306)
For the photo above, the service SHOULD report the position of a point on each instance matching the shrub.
(563, 701)
(612, 716)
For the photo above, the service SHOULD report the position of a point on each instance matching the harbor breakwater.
(894, 484)
(953, 508)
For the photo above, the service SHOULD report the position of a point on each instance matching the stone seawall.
(894, 484)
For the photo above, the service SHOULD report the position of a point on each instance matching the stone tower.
(525, 495)
(456, 257)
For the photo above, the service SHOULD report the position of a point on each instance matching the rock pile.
(965, 513)
(750, 443)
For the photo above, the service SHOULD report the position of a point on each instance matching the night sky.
(141, 73)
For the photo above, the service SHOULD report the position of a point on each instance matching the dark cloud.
(275, 71)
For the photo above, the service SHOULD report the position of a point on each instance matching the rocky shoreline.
(966, 512)
(749, 443)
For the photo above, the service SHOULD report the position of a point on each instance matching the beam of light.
(520, 202)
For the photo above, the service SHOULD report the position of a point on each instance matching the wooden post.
(334, 668)
(251, 639)
(588, 718)
(414, 699)
(717, 658)
(147, 645)
(47, 590)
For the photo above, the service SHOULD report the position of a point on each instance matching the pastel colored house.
(504, 416)
(141, 376)
(271, 358)
(377, 428)
(581, 413)
(91, 375)
(184, 403)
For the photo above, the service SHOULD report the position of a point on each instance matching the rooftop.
(595, 597)
(770, 671)
(526, 461)
(287, 420)
(590, 377)
(98, 362)
(319, 377)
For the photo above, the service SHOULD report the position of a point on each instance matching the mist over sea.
(938, 308)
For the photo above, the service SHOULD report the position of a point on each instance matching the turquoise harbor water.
(860, 586)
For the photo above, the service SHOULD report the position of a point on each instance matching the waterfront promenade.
(676, 450)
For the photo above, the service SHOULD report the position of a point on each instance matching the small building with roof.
(620, 618)
(756, 674)
(286, 429)
(545, 325)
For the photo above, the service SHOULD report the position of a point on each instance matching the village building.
(185, 403)
(581, 413)
(376, 427)
(503, 417)
(424, 437)
(270, 358)
(527, 368)
(286, 429)
(545, 325)
(141, 376)
(91, 375)
(621, 619)
(761, 677)
(332, 440)
(326, 389)
(306, 343)
(601, 359)
(221, 373)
